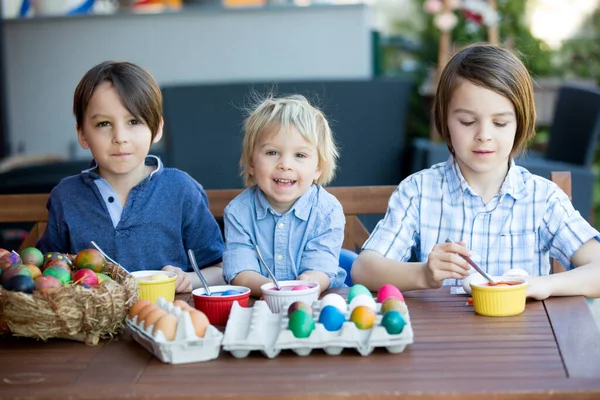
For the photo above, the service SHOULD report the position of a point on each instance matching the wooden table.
(552, 350)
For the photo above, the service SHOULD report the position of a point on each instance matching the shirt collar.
(150, 160)
(457, 185)
(301, 207)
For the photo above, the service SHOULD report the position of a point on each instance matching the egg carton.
(258, 329)
(187, 347)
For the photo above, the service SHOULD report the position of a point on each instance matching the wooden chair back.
(356, 200)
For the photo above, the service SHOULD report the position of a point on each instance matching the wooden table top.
(551, 350)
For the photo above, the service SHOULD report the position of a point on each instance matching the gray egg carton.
(258, 329)
(187, 347)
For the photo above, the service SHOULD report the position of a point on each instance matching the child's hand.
(183, 283)
(537, 288)
(444, 262)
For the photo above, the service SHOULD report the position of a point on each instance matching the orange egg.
(137, 307)
(167, 324)
(182, 304)
(153, 317)
(200, 322)
(363, 317)
(146, 311)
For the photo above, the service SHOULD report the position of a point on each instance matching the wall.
(46, 57)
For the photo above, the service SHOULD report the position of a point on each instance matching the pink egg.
(388, 291)
(301, 287)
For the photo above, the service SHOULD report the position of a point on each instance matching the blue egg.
(332, 318)
(393, 322)
(230, 292)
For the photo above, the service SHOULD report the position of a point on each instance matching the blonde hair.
(493, 68)
(296, 111)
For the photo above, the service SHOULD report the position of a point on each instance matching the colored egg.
(363, 317)
(14, 270)
(90, 259)
(301, 324)
(301, 287)
(387, 291)
(58, 272)
(393, 322)
(57, 256)
(356, 290)
(332, 318)
(20, 283)
(45, 284)
(230, 292)
(103, 277)
(299, 305)
(34, 270)
(362, 300)
(334, 299)
(33, 256)
(393, 304)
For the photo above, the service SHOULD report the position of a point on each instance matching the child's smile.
(284, 165)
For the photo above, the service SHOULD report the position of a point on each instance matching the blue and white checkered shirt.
(530, 219)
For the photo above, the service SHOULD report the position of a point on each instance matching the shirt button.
(278, 257)
(111, 199)
(280, 225)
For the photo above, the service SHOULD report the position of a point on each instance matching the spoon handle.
(264, 264)
(472, 264)
(192, 258)
(108, 258)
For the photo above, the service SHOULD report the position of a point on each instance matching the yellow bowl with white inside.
(155, 284)
(506, 298)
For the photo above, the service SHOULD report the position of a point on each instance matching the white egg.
(334, 299)
(362, 300)
(516, 272)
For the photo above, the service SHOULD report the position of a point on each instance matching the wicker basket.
(71, 312)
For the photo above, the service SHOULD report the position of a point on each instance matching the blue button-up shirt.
(530, 219)
(307, 237)
(165, 214)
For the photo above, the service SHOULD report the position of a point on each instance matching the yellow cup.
(499, 301)
(151, 290)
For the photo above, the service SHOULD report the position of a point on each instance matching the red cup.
(217, 307)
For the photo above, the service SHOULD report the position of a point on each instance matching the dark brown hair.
(493, 68)
(137, 89)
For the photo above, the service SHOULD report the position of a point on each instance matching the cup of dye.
(155, 284)
(217, 306)
(505, 298)
(291, 291)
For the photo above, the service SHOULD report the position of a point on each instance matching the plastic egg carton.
(251, 329)
(186, 347)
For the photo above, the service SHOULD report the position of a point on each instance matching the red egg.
(301, 287)
(85, 277)
(387, 291)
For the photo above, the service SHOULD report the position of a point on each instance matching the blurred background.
(372, 66)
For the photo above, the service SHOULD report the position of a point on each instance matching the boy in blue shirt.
(141, 214)
(485, 112)
(288, 153)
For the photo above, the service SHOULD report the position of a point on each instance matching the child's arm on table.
(321, 255)
(582, 280)
(316, 276)
(444, 262)
(252, 280)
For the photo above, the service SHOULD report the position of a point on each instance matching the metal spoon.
(472, 264)
(264, 264)
(108, 258)
(192, 258)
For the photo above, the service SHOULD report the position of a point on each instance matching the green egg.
(301, 324)
(393, 322)
(59, 273)
(357, 289)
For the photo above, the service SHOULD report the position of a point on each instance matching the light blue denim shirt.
(307, 237)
